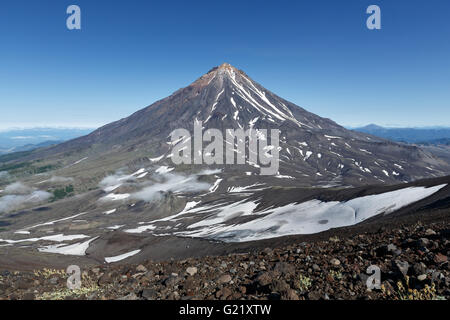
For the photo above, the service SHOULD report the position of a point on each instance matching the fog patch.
(18, 188)
(154, 188)
(208, 172)
(4, 175)
(115, 180)
(57, 179)
(18, 194)
(170, 182)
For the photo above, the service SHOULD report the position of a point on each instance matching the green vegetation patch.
(61, 193)
(27, 168)
(15, 166)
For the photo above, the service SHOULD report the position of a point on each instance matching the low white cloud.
(57, 179)
(208, 172)
(155, 185)
(170, 182)
(23, 137)
(4, 175)
(18, 194)
(18, 188)
(115, 179)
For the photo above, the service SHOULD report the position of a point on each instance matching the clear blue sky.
(317, 54)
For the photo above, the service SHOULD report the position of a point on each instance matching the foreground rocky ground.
(413, 260)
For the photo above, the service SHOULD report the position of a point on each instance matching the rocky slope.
(87, 230)
(412, 256)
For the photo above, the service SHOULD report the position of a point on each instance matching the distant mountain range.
(30, 146)
(17, 140)
(433, 135)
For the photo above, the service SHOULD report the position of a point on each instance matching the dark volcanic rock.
(149, 294)
(402, 266)
(284, 269)
(264, 278)
(224, 279)
(294, 271)
(440, 258)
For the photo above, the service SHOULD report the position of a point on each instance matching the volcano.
(313, 150)
(122, 193)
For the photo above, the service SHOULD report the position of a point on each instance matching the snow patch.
(156, 159)
(115, 196)
(163, 169)
(305, 218)
(76, 249)
(122, 256)
(54, 238)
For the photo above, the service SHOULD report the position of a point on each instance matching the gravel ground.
(413, 260)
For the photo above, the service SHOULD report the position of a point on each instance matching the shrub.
(61, 193)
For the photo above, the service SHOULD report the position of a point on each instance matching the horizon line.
(86, 127)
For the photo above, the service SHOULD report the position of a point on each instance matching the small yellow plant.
(47, 273)
(88, 286)
(336, 275)
(304, 283)
(404, 292)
